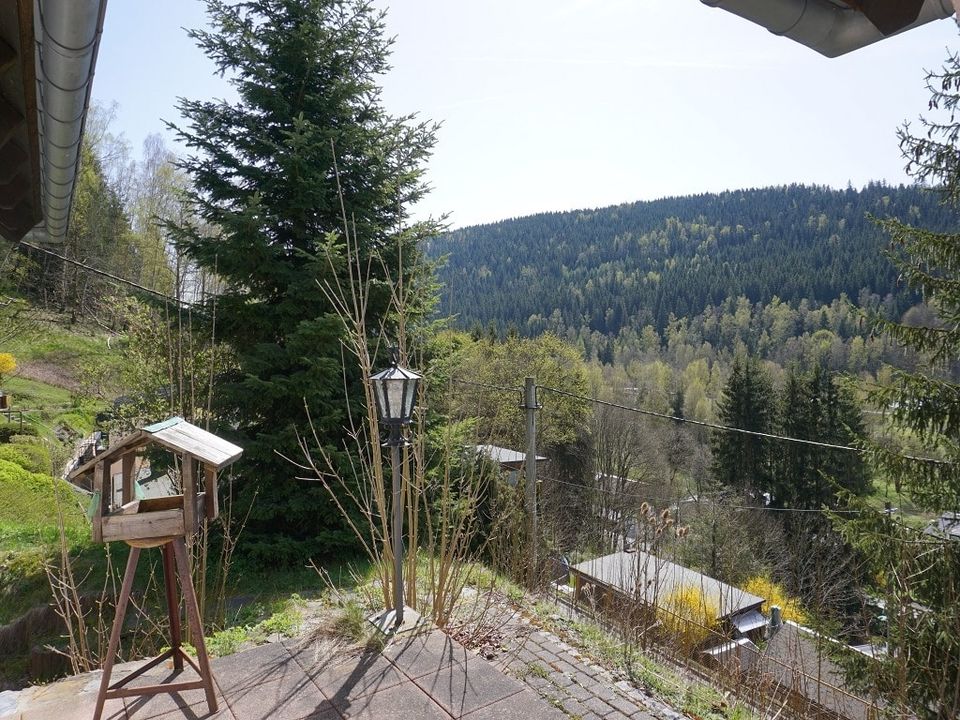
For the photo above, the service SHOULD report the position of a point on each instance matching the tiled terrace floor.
(429, 677)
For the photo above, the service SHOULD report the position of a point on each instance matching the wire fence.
(793, 672)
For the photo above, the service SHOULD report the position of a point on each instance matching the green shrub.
(31, 499)
(12, 430)
(227, 642)
(286, 623)
(29, 455)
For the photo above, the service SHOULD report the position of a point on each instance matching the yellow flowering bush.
(688, 615)
(775, 594)
(7, 365)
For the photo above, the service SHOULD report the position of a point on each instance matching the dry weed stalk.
(446, 508)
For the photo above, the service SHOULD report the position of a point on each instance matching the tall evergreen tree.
(305, 150)
(917, 573)
(814, 407)
(743, 461)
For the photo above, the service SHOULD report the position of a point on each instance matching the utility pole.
(530, 406)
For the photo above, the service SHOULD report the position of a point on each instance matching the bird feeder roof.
(175, 434)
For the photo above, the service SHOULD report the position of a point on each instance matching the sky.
(549, 105)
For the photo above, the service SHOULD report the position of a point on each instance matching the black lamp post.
(395, 390)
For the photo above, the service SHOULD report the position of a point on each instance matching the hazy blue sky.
(561, 104)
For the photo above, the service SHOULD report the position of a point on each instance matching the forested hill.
(632, 265)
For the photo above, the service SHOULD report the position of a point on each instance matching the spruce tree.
(813, 406)
(743, 461)
(918, 573)
(305, 150)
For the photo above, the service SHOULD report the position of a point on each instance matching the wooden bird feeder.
(118, 515)
(169, 523)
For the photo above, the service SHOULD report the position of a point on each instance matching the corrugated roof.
(653, 579)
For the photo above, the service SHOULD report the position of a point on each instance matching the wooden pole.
(126, 465)
(531, 407)
(193, 615)
(176, 563)
(128, 575)
(173, 604)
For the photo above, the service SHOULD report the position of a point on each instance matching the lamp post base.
(385, 622)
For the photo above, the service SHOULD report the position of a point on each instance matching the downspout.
(68, 37)
(822, 25)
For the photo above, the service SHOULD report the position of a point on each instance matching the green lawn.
(55, 342)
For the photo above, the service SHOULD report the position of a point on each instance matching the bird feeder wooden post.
(169, 523)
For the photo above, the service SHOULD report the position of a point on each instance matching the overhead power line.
(502, 388)
(703, 423)
(698, 423)
(704, 496)
(728, 428)
(104, 273)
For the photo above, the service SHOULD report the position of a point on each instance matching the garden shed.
(642, 581)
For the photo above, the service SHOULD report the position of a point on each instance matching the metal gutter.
(827, 27)
(67, 40)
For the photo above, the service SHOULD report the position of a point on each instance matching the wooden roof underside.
(20, 204)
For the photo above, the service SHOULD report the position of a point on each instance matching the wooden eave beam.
(12, 159)
(10, 120)
(28, 73)
(18, 220)
(8, 57)
(13, 191)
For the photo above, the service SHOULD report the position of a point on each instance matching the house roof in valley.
(505, 457)
(652, 579)
(799, 658)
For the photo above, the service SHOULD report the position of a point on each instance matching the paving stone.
(291, 697)
(183, 703)
(525, 654)
(260, 664)
(561, 679)
(545, 657)
(425, 654)
(563, 667)
(584, 679)
(113, 710)
(401, 702)
(70, 699)
(365, 673)
(186, 704)
(598, 706)
(523, 706)
(537, 682)
(623, 705)
(604, 692)
(578, 691)
(460, 690)
(572, 706)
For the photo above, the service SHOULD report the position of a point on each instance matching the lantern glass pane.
(378, 394)
(394, 399)
(409, 399)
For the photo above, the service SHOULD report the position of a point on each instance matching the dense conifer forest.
(619, 268)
